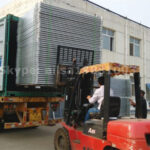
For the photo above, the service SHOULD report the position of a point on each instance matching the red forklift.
(105, 130)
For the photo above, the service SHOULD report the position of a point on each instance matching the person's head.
(101, 81)
(142, 93)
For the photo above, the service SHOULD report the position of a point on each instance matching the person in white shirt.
(98, 97)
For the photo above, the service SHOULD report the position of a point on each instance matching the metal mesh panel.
(122, 89)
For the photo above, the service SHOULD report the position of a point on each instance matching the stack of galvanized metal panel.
(3, 26)
(41, 30)
(122, 89)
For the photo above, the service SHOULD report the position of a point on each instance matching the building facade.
(124, 41)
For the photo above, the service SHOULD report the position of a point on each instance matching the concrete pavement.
(40, 138)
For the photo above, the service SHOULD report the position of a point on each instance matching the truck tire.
(61, 140)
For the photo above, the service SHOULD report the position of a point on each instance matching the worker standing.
(143, 102)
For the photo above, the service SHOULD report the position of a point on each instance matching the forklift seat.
(114, 109)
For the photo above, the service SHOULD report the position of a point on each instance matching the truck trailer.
(21, 106)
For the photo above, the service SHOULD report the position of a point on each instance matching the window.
(108, 39)
(134, 47)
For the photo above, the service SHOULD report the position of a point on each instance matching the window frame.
(133, 44)
(111, 38)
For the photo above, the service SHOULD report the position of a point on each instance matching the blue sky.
(137, 10)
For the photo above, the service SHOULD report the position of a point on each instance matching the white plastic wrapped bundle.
(41, 30)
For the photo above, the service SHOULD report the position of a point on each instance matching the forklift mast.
(69, 62)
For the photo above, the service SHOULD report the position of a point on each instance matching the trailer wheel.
(1, 125)
(61, 140)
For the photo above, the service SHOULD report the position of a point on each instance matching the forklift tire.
(61, 140)
(110, 148)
